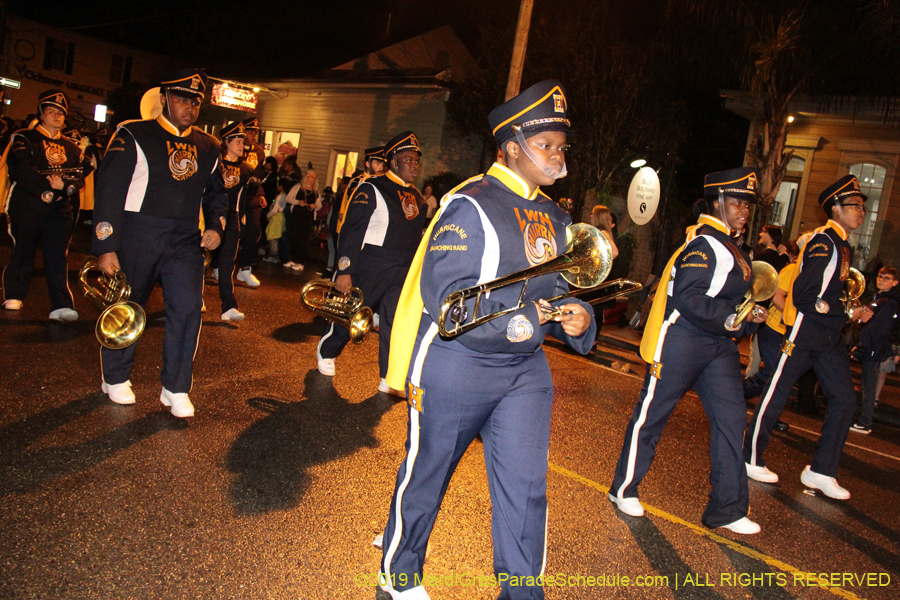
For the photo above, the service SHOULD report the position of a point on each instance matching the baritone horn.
(121, 321)
(763, 285)
(347, 310)
(854, 286)
(585, 264)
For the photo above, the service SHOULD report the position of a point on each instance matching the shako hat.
(542, 107)
(376, 153)
(73, 134)
(251, 123)
(846, 186)
(403, 141)
(741, 182)
(186, 82)
(233, 130)
(55, 98)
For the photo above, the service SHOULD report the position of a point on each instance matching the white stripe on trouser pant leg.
(324, 337)
(415, 379)
(773, 382)
(651, 389)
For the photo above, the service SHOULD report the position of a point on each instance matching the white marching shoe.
(12, 304)
(232, 314)
(743, 526)
(246, 276)
(64, 314)
(326, 367)
(120, 393)
(763, 474)
(825, 484)
(179, 403)
(630, 506)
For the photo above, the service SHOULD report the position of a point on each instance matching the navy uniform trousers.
(53, 230)
(769, 342)
(251, 232)
(822, 350)
(381, 281)
(225, 261)
(711, 365)
(507, 399)
(167, 250)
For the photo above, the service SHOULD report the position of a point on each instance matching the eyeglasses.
(886, 277)
(859, 207)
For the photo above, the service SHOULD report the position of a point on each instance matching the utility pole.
(519, 47)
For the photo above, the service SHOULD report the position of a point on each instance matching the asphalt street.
(278, 486)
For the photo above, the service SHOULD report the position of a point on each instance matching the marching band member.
(493, 380)
(156, 177)
(375, 165)
(689, 342)
(40, 205)
(377, 243)
(254, 199)
(814, 315)
(236, 173)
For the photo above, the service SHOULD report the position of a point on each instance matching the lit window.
(871, 182)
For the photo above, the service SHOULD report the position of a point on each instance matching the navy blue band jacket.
(152, 169)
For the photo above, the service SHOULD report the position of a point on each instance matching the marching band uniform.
(493, 380)
(151, 187)
(39, 213)
(236, 175)
(689, 342)
(251, 206)
(372, 154)
(814, 316)
(377, 243)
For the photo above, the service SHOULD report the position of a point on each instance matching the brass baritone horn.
(763, 285)
(585, 264)
(347, 310)
(121, 322)
(854, 286)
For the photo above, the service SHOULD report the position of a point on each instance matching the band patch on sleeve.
(519, 329)
(103, 230)
(343, 263)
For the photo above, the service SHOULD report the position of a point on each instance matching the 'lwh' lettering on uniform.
(181, 146)
(534, 216)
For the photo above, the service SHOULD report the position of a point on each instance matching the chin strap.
(734, 233)
(547, 169)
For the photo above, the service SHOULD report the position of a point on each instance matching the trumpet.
(121, 321)
(64, 172)
(585, 264)
(763, 285)
(347, 310)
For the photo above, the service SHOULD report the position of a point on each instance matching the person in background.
(252, 203)
(874, 347)
(430, 201)
(304, 201)
(40, 205)
(769, 249)
(236, 175)
(377, 242)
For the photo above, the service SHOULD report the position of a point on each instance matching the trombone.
(585, 265)
(347, 310)
(121, 321)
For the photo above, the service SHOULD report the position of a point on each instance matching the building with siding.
(329, 120)
(852, 136)
(86, 68)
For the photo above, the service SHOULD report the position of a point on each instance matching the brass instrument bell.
(347, 310)
(121, 321)
(854, 286)
(763, 285)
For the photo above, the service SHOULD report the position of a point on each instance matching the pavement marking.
(749, 412)
(702, 531)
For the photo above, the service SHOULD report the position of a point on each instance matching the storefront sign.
(232, 97)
